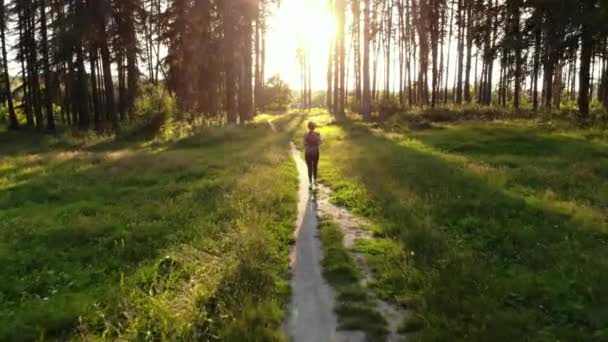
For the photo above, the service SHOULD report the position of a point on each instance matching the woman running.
(312, 141)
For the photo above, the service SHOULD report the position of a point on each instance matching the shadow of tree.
(74, 229)
(487, 264)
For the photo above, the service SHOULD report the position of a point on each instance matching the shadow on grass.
(551, 167)
(487, 265)
(74, 229)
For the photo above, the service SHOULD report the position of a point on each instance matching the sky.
(310, 22)
(307, 22)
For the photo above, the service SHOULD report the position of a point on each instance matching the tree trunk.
(131, 50)
(356, 7)
(257, 82)
(12, 116)
(229, 13)
(94, 88)
(518, 57)
(32, 58)
(106, 63)
(584, 77)
(122, 85)
(81, 94)
(342, 52)
(447, 69)
(536, 67)
(467, 73)
(387, 48)
(434, 22)
(461, 41)
(366, 96)
(49, 87)
(246, 90)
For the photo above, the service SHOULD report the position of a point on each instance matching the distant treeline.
(82, 61)
(501, 51)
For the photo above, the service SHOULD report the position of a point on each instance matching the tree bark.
(584, 77)
(535, 72)
(12, 116)
(229, 13)
(366, 96)
(245, 89)
(461, 41)
(467, 72)
(48, 85)
(98, 118)
(342, 52)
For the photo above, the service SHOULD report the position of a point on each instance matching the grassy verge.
(177, 240)
(489, 230)
(355, 308)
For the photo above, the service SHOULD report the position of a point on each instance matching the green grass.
(489, 231)
(174, 240)
(355, 307)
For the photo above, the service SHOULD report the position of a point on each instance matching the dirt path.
(311, 312)
(311, 315)
(351, 227)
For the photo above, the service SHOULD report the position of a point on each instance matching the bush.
(276, 96)
(155, 113)
(388, 106)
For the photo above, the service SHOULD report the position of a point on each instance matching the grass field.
(178, 240)
(488, 231)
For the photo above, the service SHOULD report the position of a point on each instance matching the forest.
(81, 63)
(154, 182)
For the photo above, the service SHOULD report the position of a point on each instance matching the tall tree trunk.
(535, 72)
(98, 118)
(122, 85)
(342, 52)
(447, 69)
(356, 8)
(518, 57)
(81, 94)
(246, 90)
(12, 116)
(442, 32)
(131, 50)
(434, 22)
(467, 72)
(366, 97)
(604, 81)
(32, 58)
(387, 48)
(461, 41)
(106, 62)
(336, 63)
(229, 14)
(257, 82)
(25, 73)
(586, 53)
(48, 85)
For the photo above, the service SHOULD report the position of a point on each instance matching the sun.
(316, 25)
(298, 24)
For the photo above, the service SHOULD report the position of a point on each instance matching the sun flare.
(300, 24)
